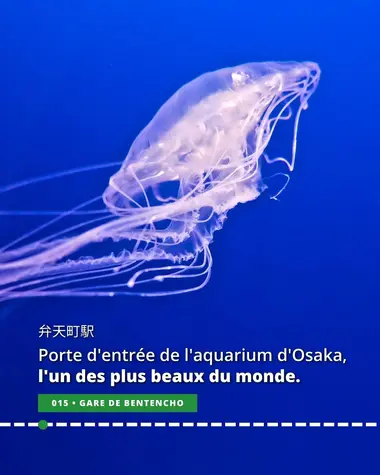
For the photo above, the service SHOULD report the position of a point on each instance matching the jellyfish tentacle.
(51, 176)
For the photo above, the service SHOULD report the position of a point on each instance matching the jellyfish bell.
(197, 159)
(203, 129)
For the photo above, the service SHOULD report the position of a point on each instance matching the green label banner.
(117, 403)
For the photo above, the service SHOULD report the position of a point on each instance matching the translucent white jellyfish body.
(197, 159)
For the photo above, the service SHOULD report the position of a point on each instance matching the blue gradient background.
(78, 82)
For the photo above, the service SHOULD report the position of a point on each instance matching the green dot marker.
(43, 425)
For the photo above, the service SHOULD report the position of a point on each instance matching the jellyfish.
(199, 157)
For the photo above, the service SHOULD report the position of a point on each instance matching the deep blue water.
(78, 81)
